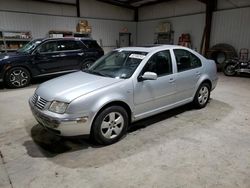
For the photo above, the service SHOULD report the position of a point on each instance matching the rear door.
(92, 51)
(71, 54)
(189, 68)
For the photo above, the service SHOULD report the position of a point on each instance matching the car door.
(71, 54)
(189, 70)
(47, 57)
(92, 51)
(151, 96)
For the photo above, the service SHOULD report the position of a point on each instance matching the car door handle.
(171, 80)
(81, 53)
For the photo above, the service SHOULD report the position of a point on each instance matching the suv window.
(91, 44)
(65, 45)
(47, 47)
(186, 60)
(160, 63)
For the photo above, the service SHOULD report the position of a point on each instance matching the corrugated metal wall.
(232, 27)
(54, 17)
(230, 22)
(185, 17)
(192, 24)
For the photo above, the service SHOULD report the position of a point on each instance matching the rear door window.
(186, 60)
(66, 45)
(91, 44)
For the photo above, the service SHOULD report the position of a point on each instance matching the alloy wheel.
(18, 78)
(112, 125)
(203, 95)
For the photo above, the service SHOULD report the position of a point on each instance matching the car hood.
(10, 56)
(69, 87)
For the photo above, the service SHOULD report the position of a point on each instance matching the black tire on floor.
(17, 77)
(220, 53)
(110, 125)
(202, 96)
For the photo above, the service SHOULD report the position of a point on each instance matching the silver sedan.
(124, 86)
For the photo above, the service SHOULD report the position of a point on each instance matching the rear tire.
(202, 96)
(110, 125)
(17, 77)
(87, 64)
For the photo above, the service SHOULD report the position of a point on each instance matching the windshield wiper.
(96, 72)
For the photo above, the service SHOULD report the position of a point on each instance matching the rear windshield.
(91, 44)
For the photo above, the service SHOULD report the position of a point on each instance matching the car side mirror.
(148, 76)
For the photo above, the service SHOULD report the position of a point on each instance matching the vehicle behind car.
(45, 57)
(124, 86)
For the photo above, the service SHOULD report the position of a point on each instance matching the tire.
(87, 64)
(17, 77)
(229, 69)
(110, 125)
(220, 53)
(202, 96)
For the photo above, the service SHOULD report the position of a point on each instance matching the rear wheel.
(87, 64)
(17, 77)
(229, 69)
(202, 96)
(110, 125)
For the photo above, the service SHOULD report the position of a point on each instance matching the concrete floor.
(180, 148)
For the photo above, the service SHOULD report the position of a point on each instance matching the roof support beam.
(210, 7)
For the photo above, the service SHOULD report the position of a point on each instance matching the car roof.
(151, 48)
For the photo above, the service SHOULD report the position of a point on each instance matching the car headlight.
(58, 107)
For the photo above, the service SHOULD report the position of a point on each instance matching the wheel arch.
(16, 66)
(114, 103)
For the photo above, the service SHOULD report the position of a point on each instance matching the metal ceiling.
(133, 3)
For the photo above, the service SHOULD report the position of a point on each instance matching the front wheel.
(17, 77)
(110, 125)
(202, 96)
(229, 69)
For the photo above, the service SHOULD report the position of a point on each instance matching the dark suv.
(44, 57)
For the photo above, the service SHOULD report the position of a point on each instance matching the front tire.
(110, 125)
(202, 96)
(17, 77)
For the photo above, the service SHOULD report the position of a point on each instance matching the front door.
(151, 96)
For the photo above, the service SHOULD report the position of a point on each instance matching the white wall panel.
(171, 9)
(39, 25)
(38, 7)
(232, 27)
(193, 24)
(96, 9)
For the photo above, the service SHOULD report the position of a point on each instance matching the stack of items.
(185, 40)
(83, 27)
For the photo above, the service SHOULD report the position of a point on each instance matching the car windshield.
(29, 46)
(117, 64)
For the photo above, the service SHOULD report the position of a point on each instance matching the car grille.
(39, 102)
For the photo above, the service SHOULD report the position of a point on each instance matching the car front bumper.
(62, 124)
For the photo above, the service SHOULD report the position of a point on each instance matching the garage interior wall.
(230, 22)
(40, 17)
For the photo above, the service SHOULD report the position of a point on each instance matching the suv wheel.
(202, 96)
(87, 64)
(110, 125)
(17, 77)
